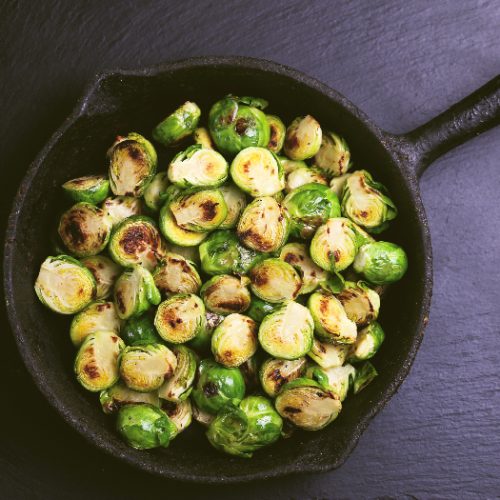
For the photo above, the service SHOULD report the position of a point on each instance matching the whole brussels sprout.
(132, 165)
(234, 341)
(175, 275)
(176, 234)
(337, 184)
(90, 189)
(364, 375)
(105, 273)
(241, 430)
(201, 343)
(381, 262)
(140, 331)
(303, 138)
(235, 201)
(275, 373)
(202, 136)
(277, 133)
(367, 343)
(178, 387)
(180, 414)
(288, 332)
(145, 367)
(121, 207)
(225, 294)
(338, 379)
(119, 395)
(333, 157)
(178, 125)
(328, 355)
(154, 192)
(304, 175)
(64, 285)
(85, 229)
(216, 385)
(360, 302)
(236, 123)
(259, 309)
(308, 207)
(96, 364)
(291, 165)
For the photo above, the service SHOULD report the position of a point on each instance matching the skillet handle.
(469, 117)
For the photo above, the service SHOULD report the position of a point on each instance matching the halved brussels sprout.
(119, 395)
(241, 430)
(180, 414)
(85, 229)
(201, 343)
(381, 262)
(307, 404)
(275, 373)
(154, 192)
(364, 375)
(105, 273)
(330, 320)
(274, 280)
(360, 302)
(140, 331)
(96, 364)
(178, 386)
(288, 332)
(264, 225)
(174, 233)
(145, 367)
(132, 165)
(135, 292)
(259, 309)
(225, 294)
(277, 133)
(296, 255)
(367, 344)
(175, 274)
(144, 426)
(197, 167)
(136, 240)
(235, 201)
(303, 138)
(258, 172)
(333, 157)
(338, 379)
(216, 385)
(121, 207)
(64, 285)
(180, 318)
(202, 136)
(100, 315)
(308, 207)
(235, 340)
(304, 175)
(90, 188)
(178, 125)
(291, 165)
(236, 124)
(328, 355)
(364, 201)
(337, 184)
(334, 244)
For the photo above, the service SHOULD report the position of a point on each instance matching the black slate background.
(402, 63)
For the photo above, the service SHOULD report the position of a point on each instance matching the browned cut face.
(209, 209)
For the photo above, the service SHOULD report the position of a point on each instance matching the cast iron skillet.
(121, 101)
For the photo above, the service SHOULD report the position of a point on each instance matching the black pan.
(121, 101)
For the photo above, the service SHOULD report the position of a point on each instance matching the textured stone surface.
(402, 64)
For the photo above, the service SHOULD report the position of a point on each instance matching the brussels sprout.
(235, 125)
(91, 189)
(202, 417)
(64, 285)
(175, 274)
(198, 166)
(308, 207)
(337, 184)
(364, 375)
(264, 225)
(275, 373)
(304, 175)
(119, 395)
(241, 430)
(235, 202)
(291, 165)
(136, 240)
(201, 343)
(140, 331)
(338, 379)
(297, 256)
(222, 253)
(307, 404)
(100, 315)
(174, 233)
(274, 280)
(96, 364)
(381, 262)
(145, 367)
(85, 229)
(335, 244)
(328, 355)
(180, 318)
(154, 192)
(288, 332)
(178, 125)
(362, 236)
(225, 294)
(303, 138)
(277, 133)
(132, 165)
(360, 302)
(202, 136)
(105, 273)
(259, 309)
(135, 292)
(144, 426)
(180, 414)
(365, 203)
(258, 172)
(330, 320)
(178, 386)
(189, 253)
(121, 207)
(333, 157)
(235, 340)
(367, 343)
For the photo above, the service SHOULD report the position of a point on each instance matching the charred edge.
(292, 410)
(119, 301)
